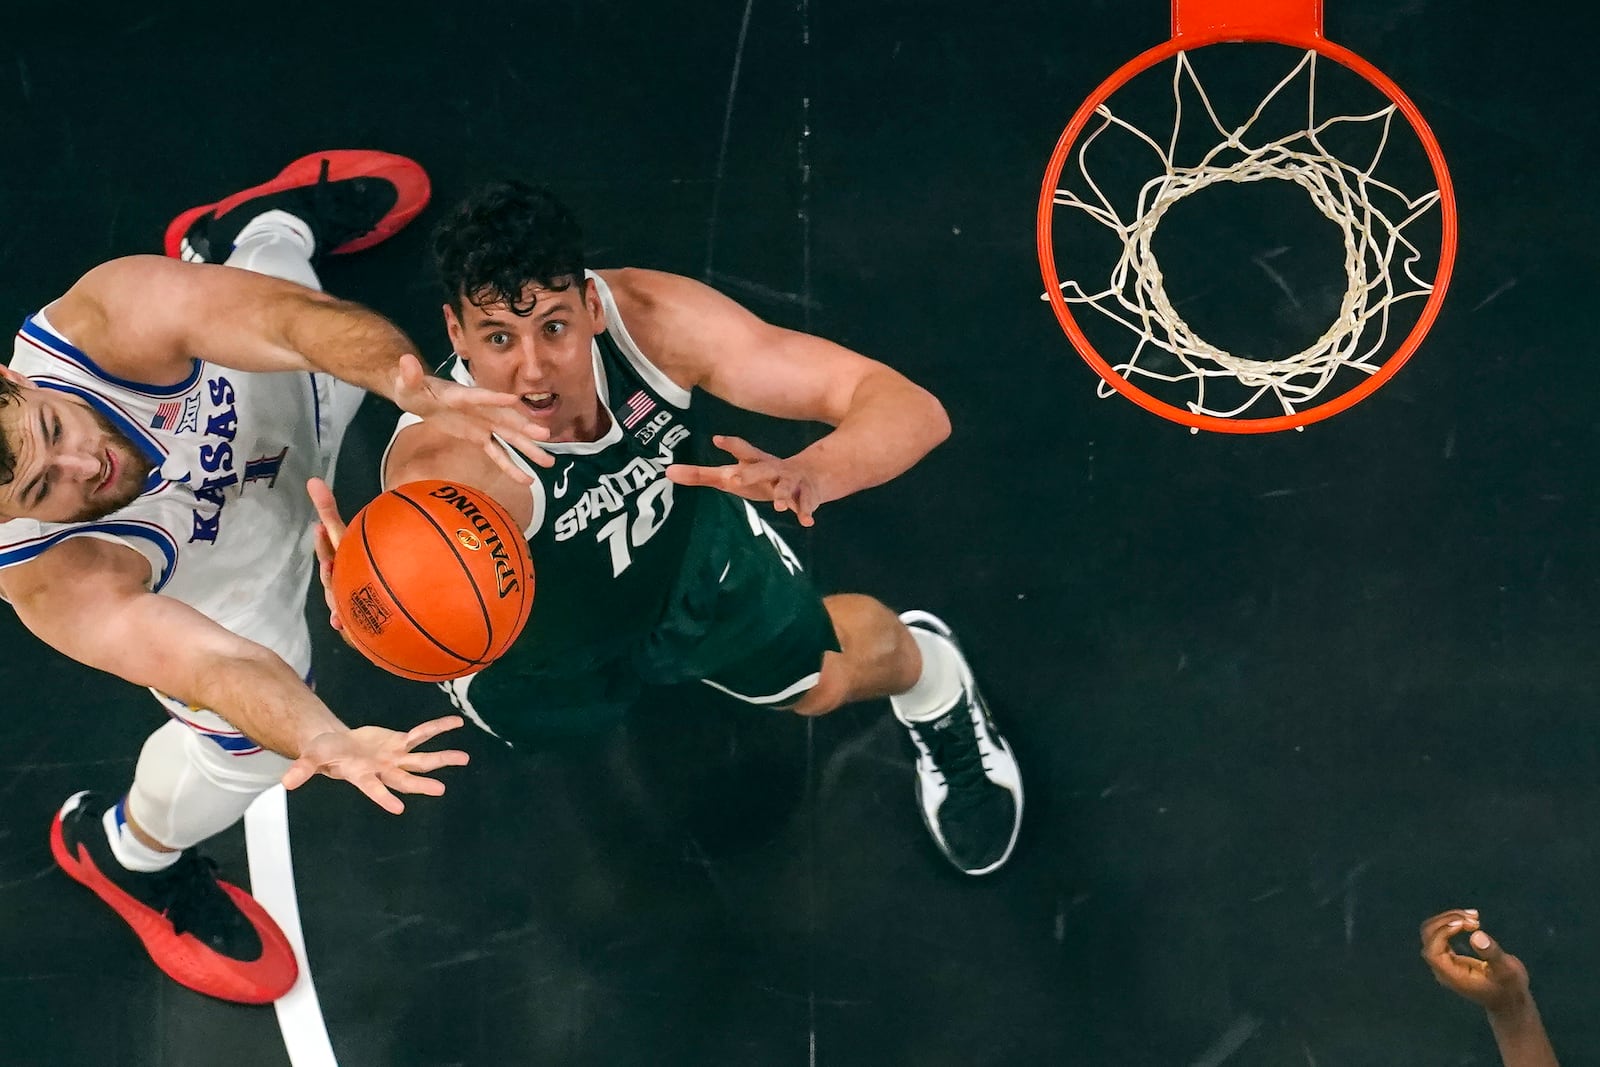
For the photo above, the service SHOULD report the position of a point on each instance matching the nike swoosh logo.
(561, 483)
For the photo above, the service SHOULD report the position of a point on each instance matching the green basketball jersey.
(611, 539)
(639, 581)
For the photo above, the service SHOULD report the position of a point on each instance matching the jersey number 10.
(621, 535)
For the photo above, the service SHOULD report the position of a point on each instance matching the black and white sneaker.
(350, 200)
(968, 784)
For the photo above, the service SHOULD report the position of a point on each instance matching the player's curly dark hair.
(504, 237)
(10, 394)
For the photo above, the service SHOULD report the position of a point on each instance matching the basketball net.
(1371, 215)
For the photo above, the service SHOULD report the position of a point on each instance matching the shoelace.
(190, 897)
(955, 752)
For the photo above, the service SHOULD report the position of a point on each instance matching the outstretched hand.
(757, 475)
(378, 761)
(473, 414)
(1494, 979)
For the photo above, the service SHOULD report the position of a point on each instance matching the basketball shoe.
(204, 933)
(968, 785)
(351, 199)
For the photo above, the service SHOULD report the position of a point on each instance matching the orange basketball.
(433, 581)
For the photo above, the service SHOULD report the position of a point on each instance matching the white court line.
(266, 835)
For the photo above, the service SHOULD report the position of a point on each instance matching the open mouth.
(540, 402)
(111, 472)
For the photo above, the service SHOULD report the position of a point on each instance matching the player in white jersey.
(158, 424)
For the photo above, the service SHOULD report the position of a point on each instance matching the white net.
(1383, 265)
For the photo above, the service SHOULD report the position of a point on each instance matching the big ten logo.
(646, 433)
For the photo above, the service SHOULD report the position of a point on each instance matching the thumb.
(1486, 947)
(408, 371)
(327, 509)
(299, 773)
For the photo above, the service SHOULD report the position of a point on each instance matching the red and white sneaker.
(351, 199)
(204, 933)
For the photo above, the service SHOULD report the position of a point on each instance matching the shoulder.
(656, 297)
(115, 316)
(681, 324)
(73, 573)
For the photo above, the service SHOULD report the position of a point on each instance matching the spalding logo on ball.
(433, 581)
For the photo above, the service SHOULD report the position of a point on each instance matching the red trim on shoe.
(183, 957)
(406, 175)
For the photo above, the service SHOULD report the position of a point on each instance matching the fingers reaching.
(506, 464)
(327, 510)
(406, 782)
(424, 762)
(688, 474)
(422, 733)
(796, 495)
(378, 761)
(375, 791)
(740, 449)
(1438, 930)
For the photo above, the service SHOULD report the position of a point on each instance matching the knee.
(831, 692)
(868, 631)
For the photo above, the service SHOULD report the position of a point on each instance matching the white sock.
(938, 687)
(132, 853)
(279, 244)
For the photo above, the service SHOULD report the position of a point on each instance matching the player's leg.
(850, 647)
(195, 778)
(197, 775)
(968, 788)
(878, 657)
(327, 203)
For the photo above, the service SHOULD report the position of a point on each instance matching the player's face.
(545, 356)
(71, 463)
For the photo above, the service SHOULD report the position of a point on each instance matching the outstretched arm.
(147, 318)
(86, 598)
(883, 423)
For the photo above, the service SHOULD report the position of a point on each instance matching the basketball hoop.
(1399, 232)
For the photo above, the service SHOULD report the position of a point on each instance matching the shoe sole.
(153, 931)
(406, 175)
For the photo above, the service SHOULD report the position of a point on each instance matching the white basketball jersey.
(224, 520)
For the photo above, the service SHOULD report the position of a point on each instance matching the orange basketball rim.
(1195, 24)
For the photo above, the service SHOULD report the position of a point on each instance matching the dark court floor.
(1276, 699)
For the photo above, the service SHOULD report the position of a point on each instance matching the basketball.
(433, 581)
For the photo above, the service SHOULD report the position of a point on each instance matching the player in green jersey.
(654, 566)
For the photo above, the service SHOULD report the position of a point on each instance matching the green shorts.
(747, 622)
